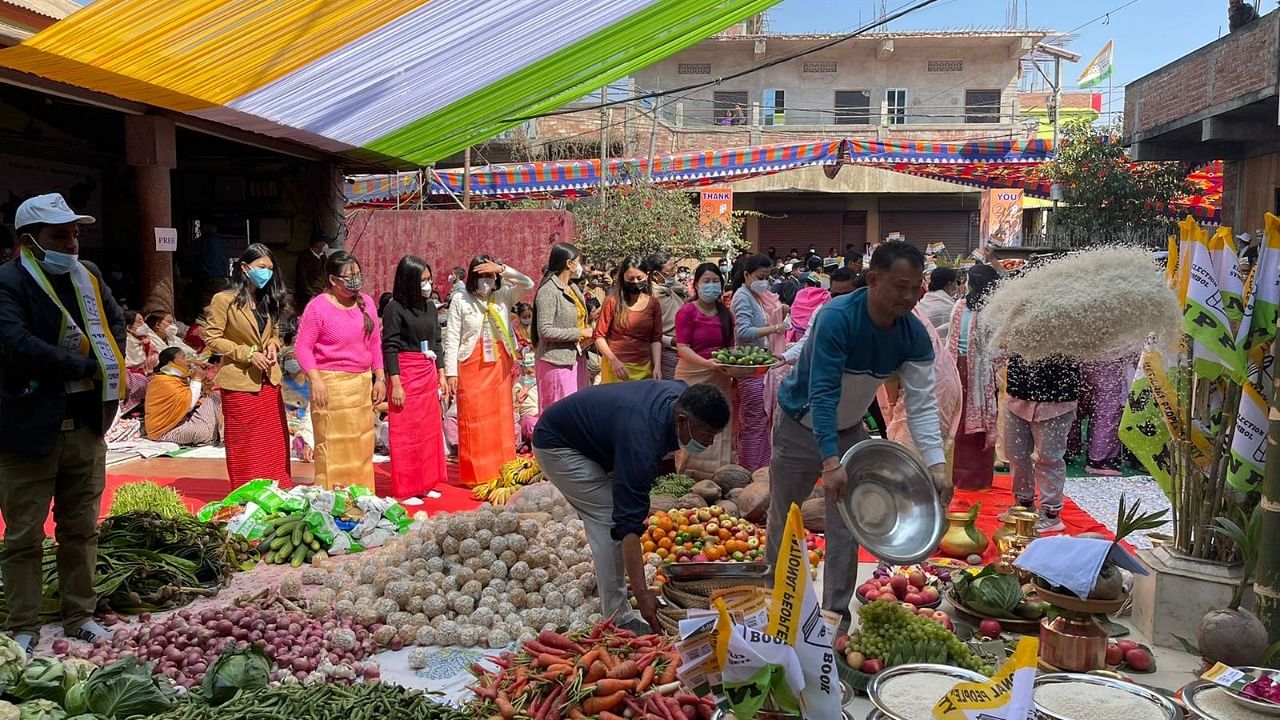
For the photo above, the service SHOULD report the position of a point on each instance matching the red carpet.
(1000, 498)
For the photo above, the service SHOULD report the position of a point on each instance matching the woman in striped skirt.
(243, 328)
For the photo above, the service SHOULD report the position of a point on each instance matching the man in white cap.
(790, 284)
(61, 378)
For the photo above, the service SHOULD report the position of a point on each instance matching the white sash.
(73, 339)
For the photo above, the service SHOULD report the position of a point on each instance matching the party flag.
(1098, 69)
(1205, 318)
(1249, 443)
(1143, 429)
(1258, 327)
(796, 619)
(1226, 266)
(1171, 263)
(1188, 230)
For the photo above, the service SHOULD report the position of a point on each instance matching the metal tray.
(873, 691)
(1265, 708)
(1171, 711)
(716, 570)
(890, 504)
(1191, 698)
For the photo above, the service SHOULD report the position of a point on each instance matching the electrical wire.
(742, 73)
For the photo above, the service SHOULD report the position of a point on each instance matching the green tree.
(641, 219)
(1103, 189)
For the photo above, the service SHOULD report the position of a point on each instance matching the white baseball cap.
(48, 209)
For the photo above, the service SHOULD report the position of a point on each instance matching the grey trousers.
(1036, 452)
(794, 469)
(589, 489)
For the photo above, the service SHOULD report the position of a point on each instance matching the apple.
(930, 595)
(913, 589)
(842, 642)
(1127, 645)
(855, 659)
(899, 584)
(1115, 655)
(924, 612)
(909, 607)
(871, 596)
(913, 599)
(865, 588)
(918, 578)
(873, 666)
(990, 628)
(1137, 659)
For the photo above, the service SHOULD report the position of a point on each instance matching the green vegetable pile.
(148, 497)
(288, 539)
(673, 485)
(994, 594)
(46, 689)
(318, 702)
(147, 562)
(749, 355)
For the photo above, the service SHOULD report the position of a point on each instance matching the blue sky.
(1148, 33)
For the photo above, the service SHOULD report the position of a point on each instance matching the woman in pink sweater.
(339, 347)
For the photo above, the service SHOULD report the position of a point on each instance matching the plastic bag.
(343, 544)
(538, 497)
(249, 524)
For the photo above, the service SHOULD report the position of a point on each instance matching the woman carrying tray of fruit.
(856, 342)
(759, 321)
(704, 327)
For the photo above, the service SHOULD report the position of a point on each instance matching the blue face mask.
(57, 263)
(693, 447)
(259, 276)
(710, 292)
(291, 366)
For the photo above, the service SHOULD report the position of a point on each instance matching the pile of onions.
(185, 645)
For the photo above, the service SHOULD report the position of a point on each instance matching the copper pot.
(1072, 644)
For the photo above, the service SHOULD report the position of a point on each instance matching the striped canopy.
(401, 82)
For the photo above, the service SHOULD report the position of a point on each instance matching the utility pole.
(604, 137)
(466, 178)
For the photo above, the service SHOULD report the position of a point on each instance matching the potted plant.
(1234, 635)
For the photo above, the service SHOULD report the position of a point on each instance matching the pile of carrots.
(605, 673)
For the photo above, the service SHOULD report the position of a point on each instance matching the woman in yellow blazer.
(243, 328)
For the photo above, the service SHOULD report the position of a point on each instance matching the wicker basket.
(670, 618)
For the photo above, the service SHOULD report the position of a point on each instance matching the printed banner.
(1001, 218)
(1249, 444)
(1006, 696)
(1205, 318)
(715, 208)
(1226, 266)
(1258, 327)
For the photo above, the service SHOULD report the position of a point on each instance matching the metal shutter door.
(923, 227)
(797, 230)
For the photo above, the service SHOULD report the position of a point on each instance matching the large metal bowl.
(960, 675)
(1162, 703)
(890, 504)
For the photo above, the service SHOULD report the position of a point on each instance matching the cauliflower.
(418, 658)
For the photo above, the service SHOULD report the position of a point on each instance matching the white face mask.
(484, 286)
(426, 288)
(577, 271)
(759, 287)
(171, 331)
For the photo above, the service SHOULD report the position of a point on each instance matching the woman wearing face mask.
(165, 333)
(671, 297)
(629, 331)
(340, 349)
(479, 358)
(243, 327)
(703, 327)
(562, 328)
(522, 323)
(140, 355)
(759, 320)
(412, 355)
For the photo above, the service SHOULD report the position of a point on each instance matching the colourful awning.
(405, 81)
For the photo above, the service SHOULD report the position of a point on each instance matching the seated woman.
(166, 333)
(177, 409)
(526, 404)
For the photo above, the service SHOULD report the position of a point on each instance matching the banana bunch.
(512, 476)
(288, 540)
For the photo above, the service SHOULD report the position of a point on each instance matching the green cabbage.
(13, 660)
(120, 690)
(248, 669)
(991, 593)
(75, 671)
(41, 680)
(41, 710)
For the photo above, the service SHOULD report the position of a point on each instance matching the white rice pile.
(1218, 703)
(1084, 701)
(1093, 305)
(912, 697)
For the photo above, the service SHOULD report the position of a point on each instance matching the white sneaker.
(27, 641)
(1050, 524)
(91, 632)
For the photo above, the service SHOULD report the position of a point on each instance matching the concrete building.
(1218, 103)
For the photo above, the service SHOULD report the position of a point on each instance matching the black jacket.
(1053, 379)
(33, 368)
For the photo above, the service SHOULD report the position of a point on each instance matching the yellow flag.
(1171, 266)
(1006, 696)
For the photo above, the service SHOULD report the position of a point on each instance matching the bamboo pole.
(1266, 586)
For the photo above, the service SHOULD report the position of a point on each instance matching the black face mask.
(635, 288)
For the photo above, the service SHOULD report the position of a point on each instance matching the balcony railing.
(699, 115)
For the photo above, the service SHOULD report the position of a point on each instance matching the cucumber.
(279, 542)
(308, 536)
(297, 534)
(314, 545)
(298, 554)
(282, 555)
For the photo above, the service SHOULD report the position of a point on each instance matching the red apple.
(1138, 660)
(899, 584)
(930, 595)
(989, 628)
(913, 599)
(1115, 655)
(872, 596)
(909, 607)
(842, 642)
(913, 589)
(918, 578)
(866, 588)
(871, 667)
(855, 660)
(1127, 645)
(924, 612)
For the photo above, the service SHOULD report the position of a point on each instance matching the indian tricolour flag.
(1098, 69)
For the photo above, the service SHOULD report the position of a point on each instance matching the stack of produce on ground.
(891, 633)
(512, 476)
(914, 584)
(147, 562)
(297, 646)
(1129, 655)
(48, 689)
(339, 521)
(477, 579)
(317, 702)
(674, 491)
(747, 355)
(163, 501)
(605, 672)
(707, 535)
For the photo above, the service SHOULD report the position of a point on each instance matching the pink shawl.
(807, 300)
(980, 414)
(946, 389)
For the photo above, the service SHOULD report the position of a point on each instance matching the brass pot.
(963, 538)
(1073, 644)
(1008, 528)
